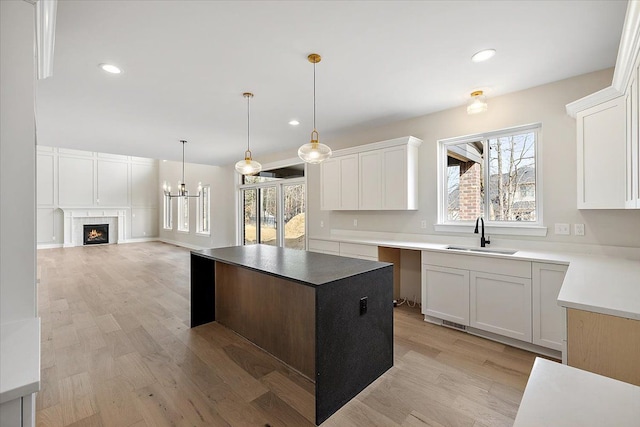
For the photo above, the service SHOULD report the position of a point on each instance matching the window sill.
(509, 230)
(183, 231)
(202, 234)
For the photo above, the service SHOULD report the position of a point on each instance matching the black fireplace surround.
(95, 234)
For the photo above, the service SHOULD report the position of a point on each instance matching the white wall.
(17, 162)
(223, 204)
(82, 179)
(545, 104)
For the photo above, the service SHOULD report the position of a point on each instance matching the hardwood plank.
(211, 376)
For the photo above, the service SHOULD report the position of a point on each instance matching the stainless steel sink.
(485, 250)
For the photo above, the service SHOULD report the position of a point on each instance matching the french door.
(274, 214)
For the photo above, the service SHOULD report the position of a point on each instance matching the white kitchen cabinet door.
(548, 316)
(394, 189)
(445, 293)
(371, 180)
(339, 183)
(601, 149)
(501, 304)
(330, 184)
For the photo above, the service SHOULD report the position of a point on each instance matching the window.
(183, 214)
(492, 176)
(204, 211)
(272, 208)
(168, 217)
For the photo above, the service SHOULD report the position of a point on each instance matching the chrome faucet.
(483, 242)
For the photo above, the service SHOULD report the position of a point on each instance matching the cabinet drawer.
(509, 267)
(357, 250)
(324, 246)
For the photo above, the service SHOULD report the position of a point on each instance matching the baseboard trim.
(182, 244)
(140, 240)
(49, 246)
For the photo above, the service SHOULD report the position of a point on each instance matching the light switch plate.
(562, 229)
(578, 229)
(355, 222)
(423, 223)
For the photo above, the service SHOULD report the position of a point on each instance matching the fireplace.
(95, 234)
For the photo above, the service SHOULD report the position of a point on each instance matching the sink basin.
(484, 250)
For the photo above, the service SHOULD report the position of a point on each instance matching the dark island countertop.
(307, 268)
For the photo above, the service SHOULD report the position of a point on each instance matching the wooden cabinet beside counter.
(604, 344)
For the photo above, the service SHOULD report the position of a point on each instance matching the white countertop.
(597, 283)
(561, 396)
(19, 359)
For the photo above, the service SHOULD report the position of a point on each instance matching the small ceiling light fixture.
(182, 186)
(109, 68)
(314, 151)
(248, 166)
(477, 103)
(483, 55)
(294, 123)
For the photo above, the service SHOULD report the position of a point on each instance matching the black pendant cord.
(183, 162)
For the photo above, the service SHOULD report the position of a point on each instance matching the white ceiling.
(187, 63)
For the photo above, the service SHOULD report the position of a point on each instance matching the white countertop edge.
(600, 309)
(561, 395)
(19, 359)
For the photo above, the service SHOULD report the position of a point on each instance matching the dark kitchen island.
(328, 317)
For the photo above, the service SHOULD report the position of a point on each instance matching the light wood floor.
(117, 350)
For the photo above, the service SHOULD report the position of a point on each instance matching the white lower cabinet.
(355, 250)
(18, 412)
(324, 246)
(445, 293)
(548, 317)
(501, 304)
(508, 297)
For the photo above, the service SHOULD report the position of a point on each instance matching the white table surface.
(562, 396)
(19, 359)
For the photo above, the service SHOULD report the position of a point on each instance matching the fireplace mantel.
(72, 215)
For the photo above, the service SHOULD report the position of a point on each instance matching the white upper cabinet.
(339, 183)
(607, 130)
(378, 176)
(601, 142)
(632, 154)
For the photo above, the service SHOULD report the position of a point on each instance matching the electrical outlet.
(363, 305)
(355, 222)
(423, 223)
(562, 229)
(578, 229)
(321, 224)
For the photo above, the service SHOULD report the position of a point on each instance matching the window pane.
(249, 223)
(294, 217)
(512, 178)
(167, 213)
(268, 215)
(465, 181)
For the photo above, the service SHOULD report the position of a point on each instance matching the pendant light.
(314, 151)
(248, 166)
(477, 103)
(182, 186)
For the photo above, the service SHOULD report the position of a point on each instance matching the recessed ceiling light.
(110, 68)
(294, 123)
(483, 55)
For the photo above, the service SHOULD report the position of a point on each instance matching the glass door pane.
(268, 216)
(294, 216)
(249, 203)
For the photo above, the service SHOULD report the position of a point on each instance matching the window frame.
(201, 204)
(522, 228)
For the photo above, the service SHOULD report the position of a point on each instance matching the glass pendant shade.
(248, 166)
(477, 103)
(314, 152)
